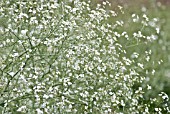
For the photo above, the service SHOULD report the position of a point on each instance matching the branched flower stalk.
(66, 57)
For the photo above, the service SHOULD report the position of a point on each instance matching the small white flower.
(122, 103)
(157, 30)
(140, 88)
(27, 56)
(153, 72)
(144, 16)
(12, 73)
(15, 55)
(165, 97)
(39, 111)
(8, 40)
(141, 65)
(23, 32)
(133, 15)
(156, 109)
(149, 87)
(21, 109)
(70, 106)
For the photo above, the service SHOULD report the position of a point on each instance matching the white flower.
(141, 65)
(156, 109)
(12, 73)
(157, 30)
(39, 111)
(122, 103)
(144, 16)
(133, 15)
(149, 87)
(140, 88)
(15, 54)
(153, 72)
(23, 32)
(27, 56)
(21, 109)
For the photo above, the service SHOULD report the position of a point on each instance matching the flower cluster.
(66, 57)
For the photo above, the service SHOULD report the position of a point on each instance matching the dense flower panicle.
(66, 57)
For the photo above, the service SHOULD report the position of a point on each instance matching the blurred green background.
(160, 9)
